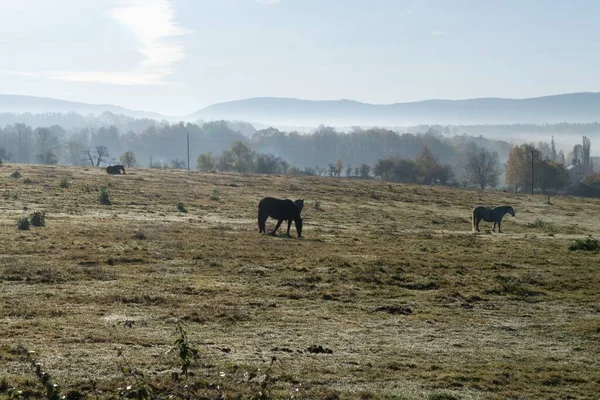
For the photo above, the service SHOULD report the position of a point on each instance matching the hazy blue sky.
(175, 56)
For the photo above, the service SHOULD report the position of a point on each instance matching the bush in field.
(15, 175)
(588, 244)
(104, 197)
(215, 195)
(181, 207)
(64, 183)
(38, 218)
(23, 223)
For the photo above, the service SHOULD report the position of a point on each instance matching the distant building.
(577, 171)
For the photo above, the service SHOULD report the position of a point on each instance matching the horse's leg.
(289, 226)
(499, 230)
(494, 227)
(477, 224)
(276, 227)
(262, 220)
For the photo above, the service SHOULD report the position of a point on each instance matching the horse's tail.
(473, 219)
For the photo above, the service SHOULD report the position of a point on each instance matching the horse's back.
(278, 208)
(481, 212)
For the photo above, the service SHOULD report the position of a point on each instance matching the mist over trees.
(431, 157)
(164, 143)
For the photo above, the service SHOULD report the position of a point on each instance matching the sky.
(177, 56)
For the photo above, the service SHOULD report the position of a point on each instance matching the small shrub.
(588, 244)
(64, 183)
(181, 207)
(374, 195)
(317, 205)
(27, 181)
(442, 396)
(139, 235)
(214, 195)
(15, 175)
(23, 223)
(539, 224)
(52, 389)
(38, 218)
(104, 197)
(139, 387)
(188, 355)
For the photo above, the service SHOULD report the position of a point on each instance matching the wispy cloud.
(153, 24)
(438, 33)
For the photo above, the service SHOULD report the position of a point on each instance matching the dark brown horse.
(490, 215)
(281, 210)
(115, 169)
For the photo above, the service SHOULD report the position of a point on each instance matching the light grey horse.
(490, 215)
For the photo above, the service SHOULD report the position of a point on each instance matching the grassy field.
(406, 302)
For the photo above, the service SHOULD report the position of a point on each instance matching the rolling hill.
(575, 107)
(38, 105)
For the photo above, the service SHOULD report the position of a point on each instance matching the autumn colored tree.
(522, 167)
(592, 179)
(427, 166)
(206, 162)
(339, 167)
(128, 159)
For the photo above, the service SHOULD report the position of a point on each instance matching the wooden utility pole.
(532, 176)
(188, 150)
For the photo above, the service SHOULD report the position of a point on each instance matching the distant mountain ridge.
(19, 104)
(574, 107)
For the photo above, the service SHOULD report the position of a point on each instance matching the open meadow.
(388, 295)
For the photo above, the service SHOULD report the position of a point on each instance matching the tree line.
(426, 158)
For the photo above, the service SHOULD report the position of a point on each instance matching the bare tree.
(483, 167)
(100, 155)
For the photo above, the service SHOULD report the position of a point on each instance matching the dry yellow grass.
(514, 315)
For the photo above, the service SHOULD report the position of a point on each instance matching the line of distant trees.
(165, 143)
(427, 158)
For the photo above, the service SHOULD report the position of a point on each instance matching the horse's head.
(511, 211)
(299, 204)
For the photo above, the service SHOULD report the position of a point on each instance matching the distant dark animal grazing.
(490, 215)
(115, 169)
(280, 210)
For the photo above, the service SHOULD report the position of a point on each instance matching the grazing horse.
(280, 210)
(490, 215)
(115, 169)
